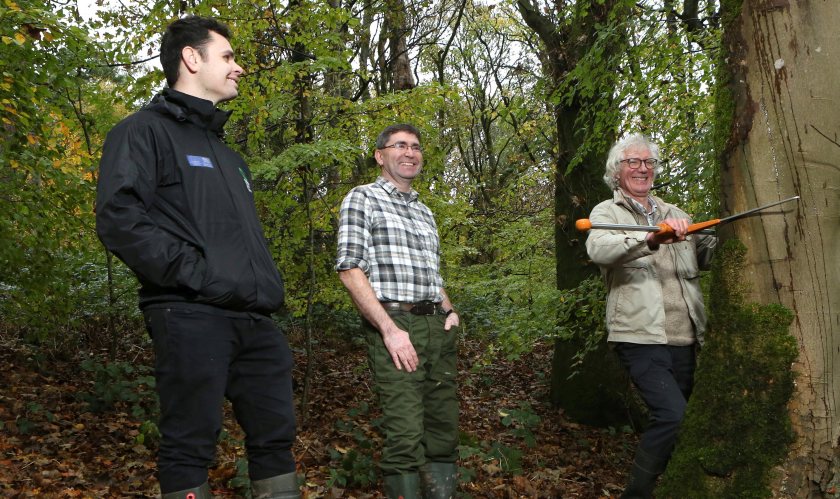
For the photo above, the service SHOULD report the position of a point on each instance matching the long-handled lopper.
(584, 224)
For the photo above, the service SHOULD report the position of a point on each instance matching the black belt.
(418, 308)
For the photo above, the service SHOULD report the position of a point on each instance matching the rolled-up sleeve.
(353, 233)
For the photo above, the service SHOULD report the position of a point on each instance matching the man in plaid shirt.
(389, 260)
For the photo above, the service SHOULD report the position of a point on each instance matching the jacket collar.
(621, 199)
(185, 107)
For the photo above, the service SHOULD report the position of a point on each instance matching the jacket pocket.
(633, 298)
(229, 279)
(687, 267)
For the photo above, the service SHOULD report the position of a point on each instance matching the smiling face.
(216, 72)
(636, 183)
(400, 167)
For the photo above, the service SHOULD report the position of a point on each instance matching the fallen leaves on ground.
(53, 445)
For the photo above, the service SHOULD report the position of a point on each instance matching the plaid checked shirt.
(393, 240)
(650, 215)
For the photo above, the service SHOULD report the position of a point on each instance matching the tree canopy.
(322, 79)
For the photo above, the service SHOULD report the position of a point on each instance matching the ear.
(378, 155)
(190, 57)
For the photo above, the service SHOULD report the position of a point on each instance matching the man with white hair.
(655, 313)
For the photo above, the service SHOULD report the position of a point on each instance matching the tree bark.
(596, 394)
(784, 140)
(398, 29)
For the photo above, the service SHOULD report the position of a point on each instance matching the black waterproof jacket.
(175, 204)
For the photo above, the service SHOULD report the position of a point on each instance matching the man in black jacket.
(175, 204)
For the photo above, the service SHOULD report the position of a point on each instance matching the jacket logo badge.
(245, 178)
(200, 161)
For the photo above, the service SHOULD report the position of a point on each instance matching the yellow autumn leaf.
(19, 38)
(6, 40)
(10, 4)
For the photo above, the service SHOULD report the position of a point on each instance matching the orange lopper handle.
(665, 228)
(703, 225)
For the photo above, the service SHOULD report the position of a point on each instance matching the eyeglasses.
(635, 163)
(402, 146)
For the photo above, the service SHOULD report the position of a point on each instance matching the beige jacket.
(635, 311)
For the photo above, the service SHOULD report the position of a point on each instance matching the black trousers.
(664, 376)
(202, 355)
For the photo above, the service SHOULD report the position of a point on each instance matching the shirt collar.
(639, 207)
(392, 189)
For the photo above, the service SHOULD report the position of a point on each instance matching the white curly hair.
(617, 154)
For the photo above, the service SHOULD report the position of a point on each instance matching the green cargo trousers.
(420, 409)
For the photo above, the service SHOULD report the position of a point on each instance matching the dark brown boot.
(646, 469)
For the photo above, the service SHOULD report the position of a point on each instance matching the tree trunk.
(397, 30)
(304, 135)
(596, 394)
(784, 140)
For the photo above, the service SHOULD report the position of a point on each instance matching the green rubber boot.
(200, 492)
(439, 480)
(276, 487)
(402, 486)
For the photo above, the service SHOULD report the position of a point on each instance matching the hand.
(452, 320)
(398, 344)
(679, 227)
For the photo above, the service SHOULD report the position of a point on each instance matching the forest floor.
(513, 443)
